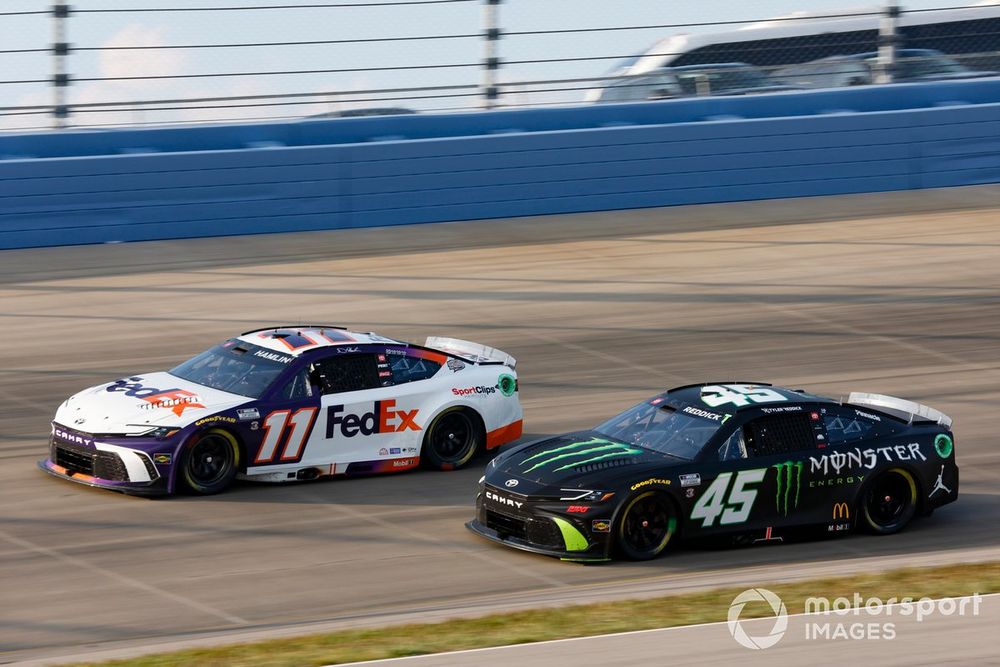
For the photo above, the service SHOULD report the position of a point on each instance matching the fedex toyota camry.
(289, 403)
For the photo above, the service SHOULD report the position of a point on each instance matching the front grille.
(538, 532)
(110, 466)
(545, 533)
(105, 465)
(506, 526)
(74, 460)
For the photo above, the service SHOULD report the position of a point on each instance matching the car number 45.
(738, 394)
(713, 505)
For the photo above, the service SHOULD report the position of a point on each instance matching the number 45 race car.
(746, 460)
(285, 404)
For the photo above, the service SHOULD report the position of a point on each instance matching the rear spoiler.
(910, 409)
(475, 353)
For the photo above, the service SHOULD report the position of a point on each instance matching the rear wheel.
(646, 526)
(889, 502)
(452, 440)
(210, 462)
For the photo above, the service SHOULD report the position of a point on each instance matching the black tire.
(453, 439)
(646, 525)
(210, 462)
(889, 502)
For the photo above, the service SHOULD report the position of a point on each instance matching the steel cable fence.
(116, 86)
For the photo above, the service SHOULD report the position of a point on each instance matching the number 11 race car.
(285, 404)
(744, 460)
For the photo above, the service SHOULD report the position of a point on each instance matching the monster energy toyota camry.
(742, 459)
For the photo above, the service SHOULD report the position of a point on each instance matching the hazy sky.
(154, 28)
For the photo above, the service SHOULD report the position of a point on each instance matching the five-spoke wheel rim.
(452, 437)
(210, 459)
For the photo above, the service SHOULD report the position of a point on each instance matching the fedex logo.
(382, 419)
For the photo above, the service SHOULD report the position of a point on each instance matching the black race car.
(744, 459)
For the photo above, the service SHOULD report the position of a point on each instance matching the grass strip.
(572, 621)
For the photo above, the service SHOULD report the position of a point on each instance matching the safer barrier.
(132, 185)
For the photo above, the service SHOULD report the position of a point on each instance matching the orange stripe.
(504, 434)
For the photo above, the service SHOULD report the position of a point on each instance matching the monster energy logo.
(789, 473)
(595, 449)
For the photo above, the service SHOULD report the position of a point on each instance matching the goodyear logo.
(580, 453)
(789, 478)
(650, 482)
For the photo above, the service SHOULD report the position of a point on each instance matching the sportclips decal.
(382, 419)
(580, 453)
(177, 400)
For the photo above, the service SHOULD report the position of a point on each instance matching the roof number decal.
(739, 395)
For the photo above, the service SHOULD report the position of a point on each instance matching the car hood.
(572, 459)
(135, 404)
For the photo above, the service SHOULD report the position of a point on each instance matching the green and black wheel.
(646, 525)
(889, 502)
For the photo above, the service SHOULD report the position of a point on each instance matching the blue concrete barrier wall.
(80, 187)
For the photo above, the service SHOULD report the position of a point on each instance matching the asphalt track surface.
(896, 294)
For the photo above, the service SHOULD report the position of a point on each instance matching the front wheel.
(209, 463)
(452, 440)
(646, 526)
(889, 502)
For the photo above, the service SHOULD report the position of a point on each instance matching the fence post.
(888, 38)
(491, 61)
(60, 50)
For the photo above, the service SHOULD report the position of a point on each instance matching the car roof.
(692, 395)
(704, 66)
(294, 340)
(900, 53)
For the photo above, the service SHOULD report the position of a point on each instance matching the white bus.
(972, 34)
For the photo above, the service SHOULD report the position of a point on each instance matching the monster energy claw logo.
(595, 449)
(789, 473)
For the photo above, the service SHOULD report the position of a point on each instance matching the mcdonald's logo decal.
(841, 511)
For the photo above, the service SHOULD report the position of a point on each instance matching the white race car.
(289, 403)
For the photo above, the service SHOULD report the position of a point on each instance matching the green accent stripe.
(582, 452)
(612, 455)
(777, 495)
(574, 539)
(798, 482)
(572, 445)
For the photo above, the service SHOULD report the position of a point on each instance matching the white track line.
(123, 579)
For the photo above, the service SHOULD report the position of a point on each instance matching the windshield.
(236, 367)
(661, 428)
(919, 66)
(719, 80)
